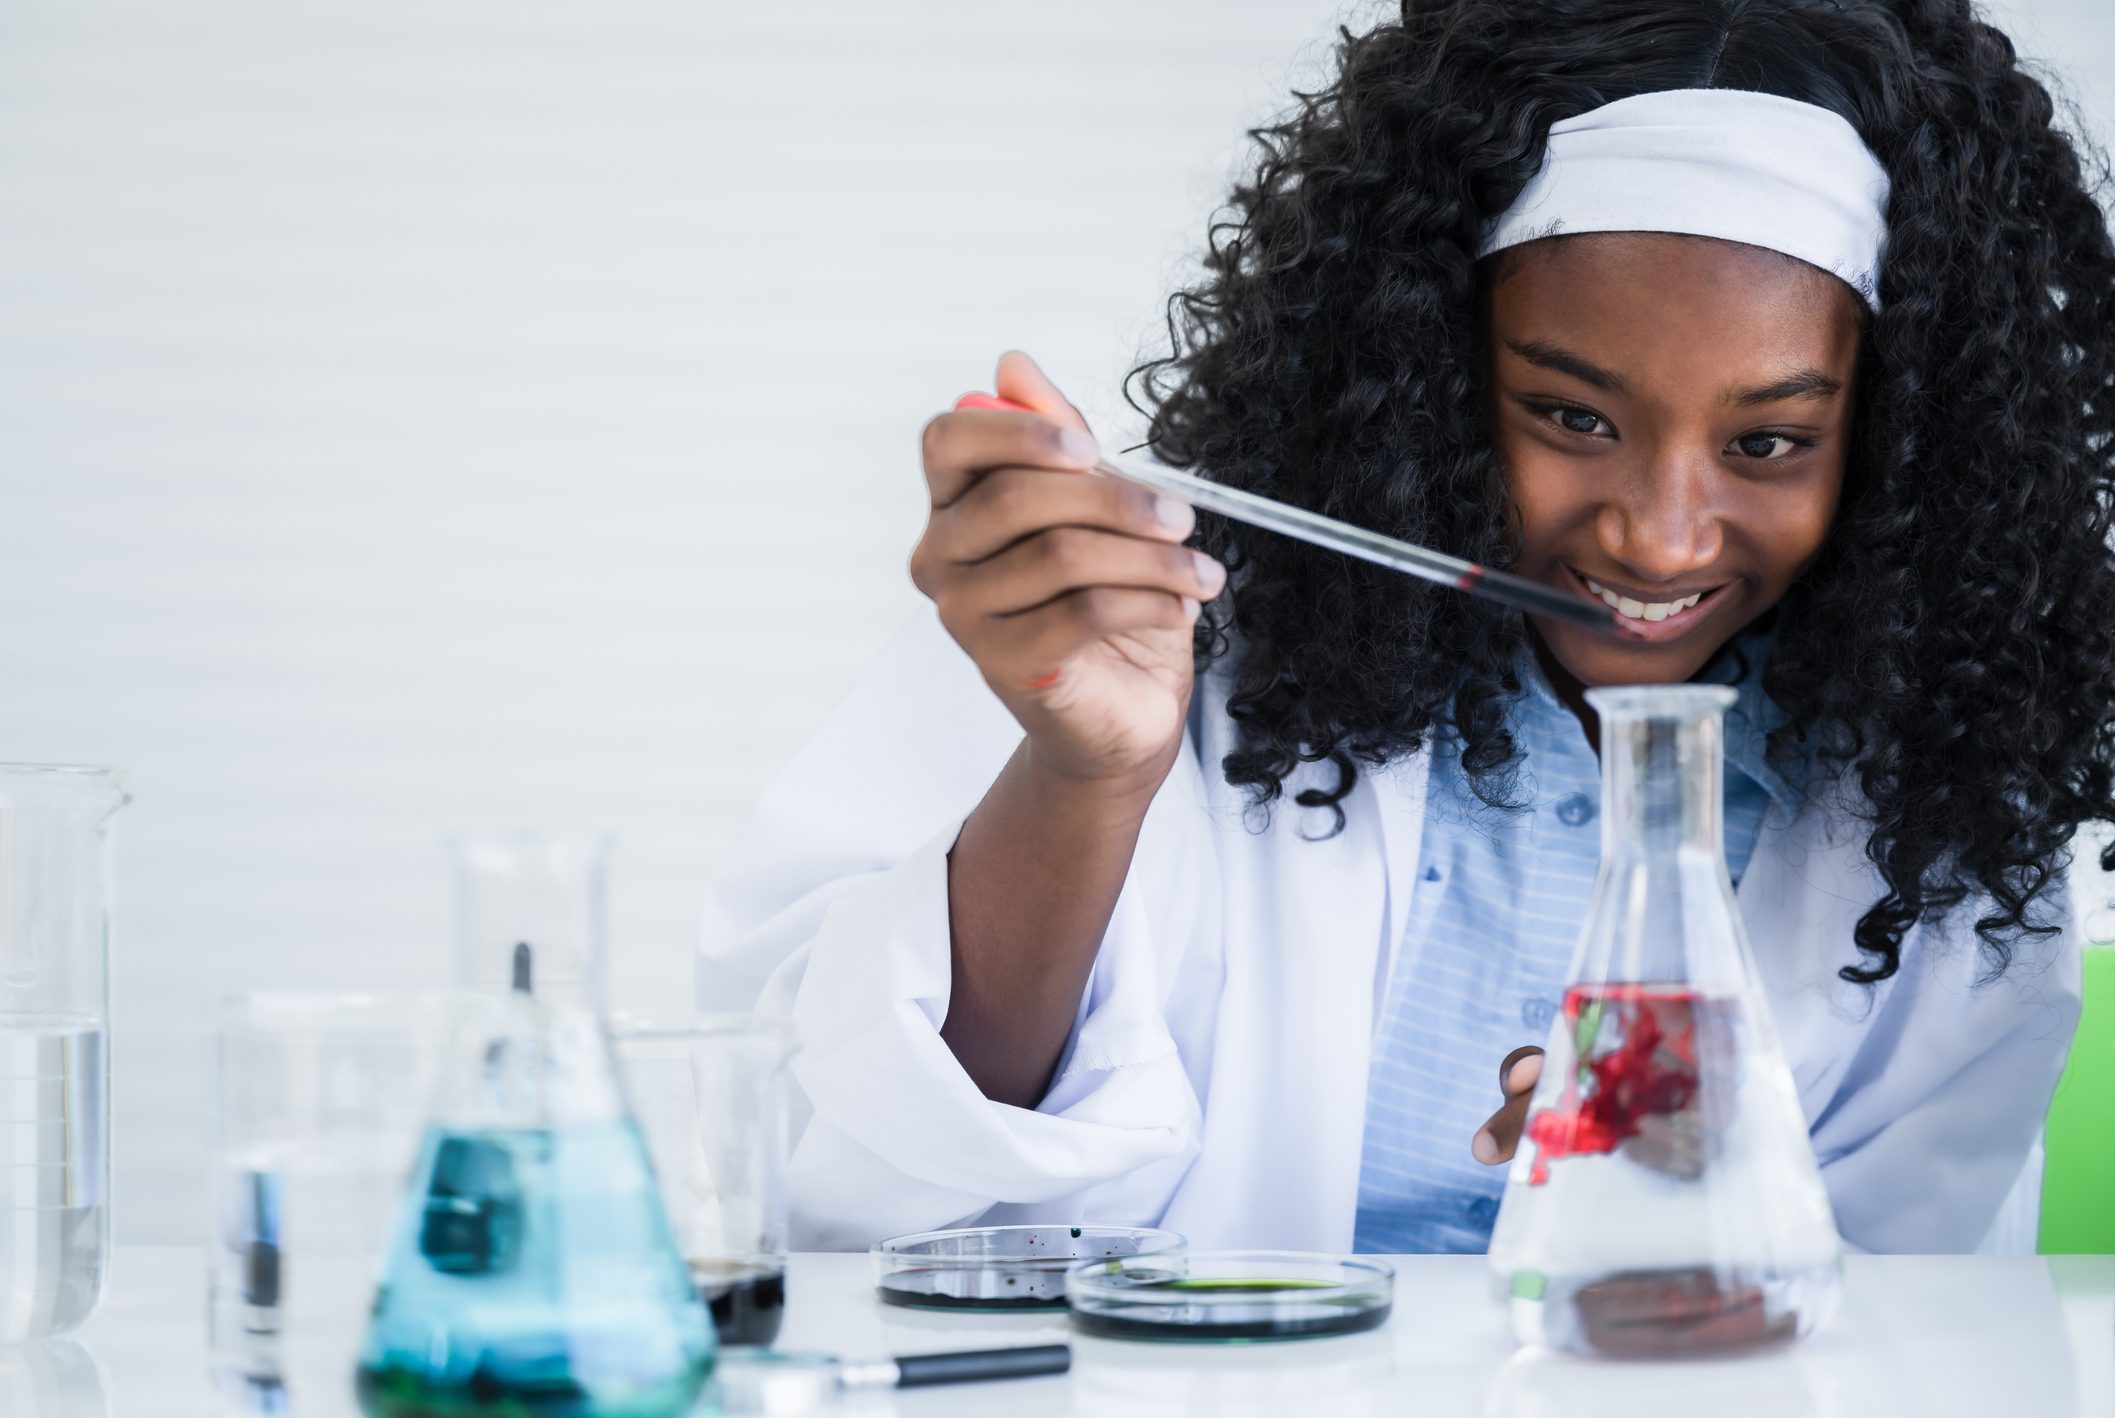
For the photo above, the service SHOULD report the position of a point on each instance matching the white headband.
(1746, 167)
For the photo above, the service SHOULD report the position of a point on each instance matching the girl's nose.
(1659, 524)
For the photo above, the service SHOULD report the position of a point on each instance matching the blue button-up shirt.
(1501, 898)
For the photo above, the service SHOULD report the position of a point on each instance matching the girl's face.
(1673, 415)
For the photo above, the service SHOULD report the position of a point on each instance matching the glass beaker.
(1665, 1197)
(319, 1101)
(711, 1097)
(54, 1049)
(533, 1271)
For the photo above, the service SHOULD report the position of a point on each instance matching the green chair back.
(2078, 1184)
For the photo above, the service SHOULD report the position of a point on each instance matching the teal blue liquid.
(533, 1275)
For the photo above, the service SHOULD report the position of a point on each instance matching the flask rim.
(705, 1027)
(98, 787)
(115, 777)
(325, 1013)
(1660, 701)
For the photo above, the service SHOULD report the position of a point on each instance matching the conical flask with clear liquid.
(533, 1271)
(1664, 1199)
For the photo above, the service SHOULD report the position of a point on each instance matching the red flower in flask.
(1636, 1083)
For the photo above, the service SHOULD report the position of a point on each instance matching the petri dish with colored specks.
(1230, 1296)
(997, 1268)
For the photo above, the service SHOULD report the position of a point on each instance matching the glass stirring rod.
(1317, 530)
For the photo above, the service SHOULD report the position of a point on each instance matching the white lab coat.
(1215, 1082)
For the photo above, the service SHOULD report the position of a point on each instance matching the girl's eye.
(1578, 420)
(1766, 446)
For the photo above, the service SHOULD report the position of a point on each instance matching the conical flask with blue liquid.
(533, 1271)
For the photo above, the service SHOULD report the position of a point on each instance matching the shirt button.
(1575, 810)
(1483, 1210)
(1538, 1014)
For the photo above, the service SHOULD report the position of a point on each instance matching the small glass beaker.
(318, 1104)
(711, 1096)
(54, 1049)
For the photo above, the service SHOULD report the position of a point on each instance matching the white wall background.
(505, 411)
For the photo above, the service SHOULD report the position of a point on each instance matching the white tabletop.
(1926, 1336)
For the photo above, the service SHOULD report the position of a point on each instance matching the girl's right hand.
(1072, 592)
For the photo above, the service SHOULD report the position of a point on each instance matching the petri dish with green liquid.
(1000, 1268)
(1229, 1296)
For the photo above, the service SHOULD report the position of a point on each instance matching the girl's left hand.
(1495, 1140)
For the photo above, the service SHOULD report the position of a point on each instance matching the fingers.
(1022, 380)
(1011, 504)
(1037, 642)
(1509, 1085)
(1498, 1138)
(1031, 564)
(962, 446)
(1060, 560)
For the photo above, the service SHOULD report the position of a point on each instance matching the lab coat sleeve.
(1938, 1142)
(834, 912)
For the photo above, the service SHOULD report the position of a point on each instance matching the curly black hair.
(1952, 650)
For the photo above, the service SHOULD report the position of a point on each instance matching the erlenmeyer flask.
(533, 1270)
(1665, 1198)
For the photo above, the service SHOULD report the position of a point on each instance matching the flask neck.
(1662, 767)
(530, 918)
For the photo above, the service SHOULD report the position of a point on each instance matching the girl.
(1177, 873)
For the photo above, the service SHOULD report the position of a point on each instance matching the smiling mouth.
(1679, 611)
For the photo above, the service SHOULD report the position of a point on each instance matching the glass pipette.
(1317, 530)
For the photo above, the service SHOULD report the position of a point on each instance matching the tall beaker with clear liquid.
(1665, 1198)
(54, 1044)
(533, 1272)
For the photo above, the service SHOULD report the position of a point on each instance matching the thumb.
(1521, 1071)
(1023, 381)
(1497, 1139)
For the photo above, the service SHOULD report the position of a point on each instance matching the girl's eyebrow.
(1563, 361)
(1809, 383)
(1806, 384)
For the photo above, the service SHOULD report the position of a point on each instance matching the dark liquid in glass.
(747, 1300)
(1268, 1318)
(1020, 1285)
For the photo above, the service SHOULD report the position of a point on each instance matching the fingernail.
(1191, 606)
(1175, 515)
(1210, 574)
(1078, 446)
(1484, 1148)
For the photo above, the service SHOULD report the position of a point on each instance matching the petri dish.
(1002, 1267)
(1230, 1296)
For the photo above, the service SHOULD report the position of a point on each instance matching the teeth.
(1642, 610)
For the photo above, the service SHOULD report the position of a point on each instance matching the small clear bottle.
(533, 1270)
(1665, 1198)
